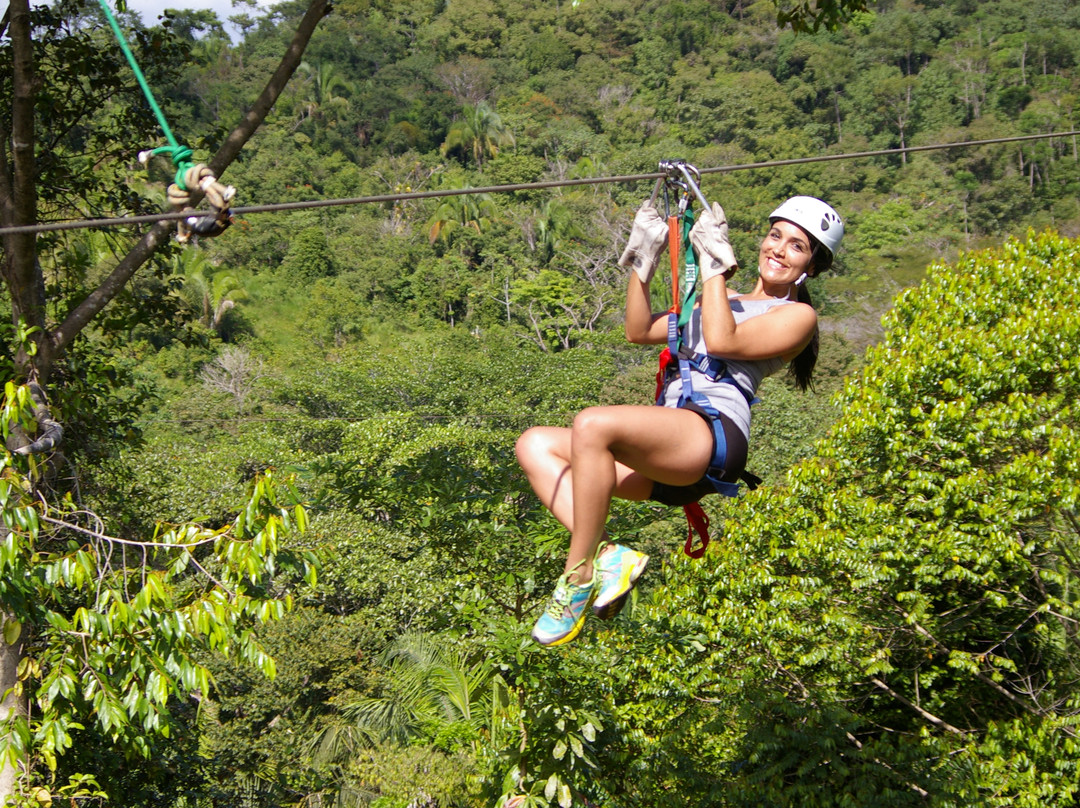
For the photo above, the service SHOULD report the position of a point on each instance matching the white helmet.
(815, 217)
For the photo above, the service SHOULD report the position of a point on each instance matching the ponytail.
(801, 369)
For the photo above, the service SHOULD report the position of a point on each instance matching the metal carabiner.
(692, 181)
(683, 176)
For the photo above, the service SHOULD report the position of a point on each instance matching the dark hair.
(801, 369)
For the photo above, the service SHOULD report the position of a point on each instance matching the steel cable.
(121, 221)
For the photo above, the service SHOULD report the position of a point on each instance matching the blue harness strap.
(716, 370)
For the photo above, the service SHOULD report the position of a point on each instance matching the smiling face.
(786, 252)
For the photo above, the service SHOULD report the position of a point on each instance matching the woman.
(695, 443)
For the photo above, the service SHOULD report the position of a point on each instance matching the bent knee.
(526, 445)
(534, 444)
(595, 426)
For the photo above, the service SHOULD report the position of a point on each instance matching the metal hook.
(683, 176)
(692, 182)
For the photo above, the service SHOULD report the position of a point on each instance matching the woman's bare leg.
(544, 455)
(610, 451)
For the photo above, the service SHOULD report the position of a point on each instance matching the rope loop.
(200, 177)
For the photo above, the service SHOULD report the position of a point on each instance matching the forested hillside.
(890, 620)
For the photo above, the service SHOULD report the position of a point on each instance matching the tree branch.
(127, 542)
(933, 719)
(269, 96)
(79, 317)
(982, 677)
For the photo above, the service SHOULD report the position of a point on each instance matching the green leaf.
(551, 787)
(12, 630)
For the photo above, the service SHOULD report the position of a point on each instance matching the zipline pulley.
(683, 177)
(188, 177)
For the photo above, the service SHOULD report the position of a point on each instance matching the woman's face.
(785, 253)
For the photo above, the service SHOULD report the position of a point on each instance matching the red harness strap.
(661, 374)
(699, 521)
(696, 518)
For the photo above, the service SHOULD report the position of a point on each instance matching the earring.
(801, 280)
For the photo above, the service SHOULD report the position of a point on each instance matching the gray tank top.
(748, 374)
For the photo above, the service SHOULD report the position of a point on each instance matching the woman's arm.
(643, 326)
(783, 331)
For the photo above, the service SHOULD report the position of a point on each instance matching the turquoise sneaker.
(616, 570)
(563, 619)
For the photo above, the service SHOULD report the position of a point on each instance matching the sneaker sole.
(625, 585)
(612, 610)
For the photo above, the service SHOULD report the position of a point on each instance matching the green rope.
(181, 155)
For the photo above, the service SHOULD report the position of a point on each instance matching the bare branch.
(234, 371)
(933, 719)
(1034, 709)
(125, 542)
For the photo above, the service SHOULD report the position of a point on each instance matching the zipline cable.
(120, 221)
(349, 419)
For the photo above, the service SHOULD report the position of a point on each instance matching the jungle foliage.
(891, 620)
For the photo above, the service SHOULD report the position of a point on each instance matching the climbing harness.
(189, 176)
(682, 180)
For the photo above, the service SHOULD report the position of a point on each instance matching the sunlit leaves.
(119, 626)
(918, 573)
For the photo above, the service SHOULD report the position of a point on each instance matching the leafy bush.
(898, 623)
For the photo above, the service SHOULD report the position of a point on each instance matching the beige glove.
(710, 239)
(648, 237)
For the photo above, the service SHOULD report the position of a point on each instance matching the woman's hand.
(647, 239)
(709, 235)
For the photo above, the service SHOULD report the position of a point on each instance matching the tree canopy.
(888, 621)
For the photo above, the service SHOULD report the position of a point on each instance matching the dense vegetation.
(890, 621)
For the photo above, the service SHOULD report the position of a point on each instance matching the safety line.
(181, 155)
(526, 186)
(348, 419)
(139, 77)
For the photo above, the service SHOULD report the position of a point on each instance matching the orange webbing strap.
(674, 242)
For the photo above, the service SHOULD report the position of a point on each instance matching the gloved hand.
(648, 237)
(710, 239)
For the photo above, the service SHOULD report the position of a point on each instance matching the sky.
(150, 10)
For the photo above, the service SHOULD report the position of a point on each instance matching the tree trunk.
(10, 656)
(19, 197)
